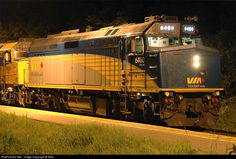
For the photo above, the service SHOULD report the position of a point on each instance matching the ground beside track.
(204, 142)
(36, 137)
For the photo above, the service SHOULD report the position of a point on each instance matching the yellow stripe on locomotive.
(83, 69)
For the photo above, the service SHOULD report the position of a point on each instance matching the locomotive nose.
(191, 68)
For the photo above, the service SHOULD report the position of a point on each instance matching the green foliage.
(19, 135)
(224, 41)
(227, 119)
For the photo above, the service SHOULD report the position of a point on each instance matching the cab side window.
(135, 45)
(7, 57)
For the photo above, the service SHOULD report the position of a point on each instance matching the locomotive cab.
(187, 73)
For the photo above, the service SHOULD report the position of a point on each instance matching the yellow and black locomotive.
(156, 71)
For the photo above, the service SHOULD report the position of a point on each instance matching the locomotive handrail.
(137, 71)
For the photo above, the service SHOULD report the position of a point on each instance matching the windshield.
(154, 42)
(167, 34)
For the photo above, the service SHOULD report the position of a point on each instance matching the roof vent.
(67, 32)
(112, 31)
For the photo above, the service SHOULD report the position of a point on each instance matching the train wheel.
(64, 103)
(117, 113)
(133, 110)
(109, 108)
(148, 115)
(55, 103)
(22, 98)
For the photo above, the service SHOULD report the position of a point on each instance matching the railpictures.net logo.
(26, 157)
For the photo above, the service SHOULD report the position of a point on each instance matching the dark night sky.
(57, 15)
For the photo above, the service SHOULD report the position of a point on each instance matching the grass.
(227, 119)
(20, 135)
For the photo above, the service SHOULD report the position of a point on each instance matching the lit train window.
(186, 41)
(135, 45)
(71, 44)
(153, 41)
(7, 56)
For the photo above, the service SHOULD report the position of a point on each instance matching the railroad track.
(220, 132)
(211, 131)
(231, 151)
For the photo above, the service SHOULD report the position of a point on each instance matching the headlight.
(196, 58)
(196, 64)
(10, 89)
(179, 97)
(207, 97)
(196, 61)
(144, 94)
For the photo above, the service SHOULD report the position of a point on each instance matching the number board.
(189, 29)
(168, 29)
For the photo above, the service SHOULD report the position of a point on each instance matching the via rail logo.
(196, 82)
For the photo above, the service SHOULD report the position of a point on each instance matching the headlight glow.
(196, 58)
(196, 64)
(208, 97)
(10, 89)
(196, 61)
(180, 97)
